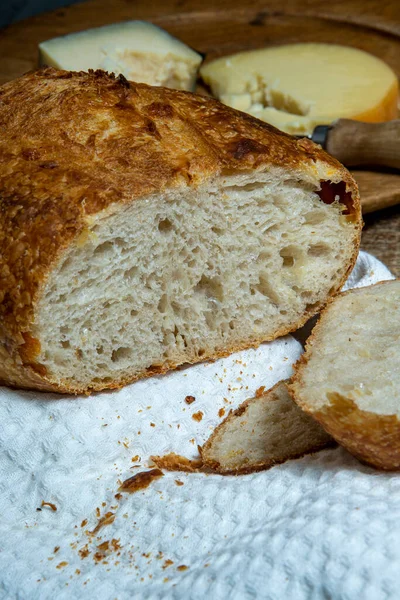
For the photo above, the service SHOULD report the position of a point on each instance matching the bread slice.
(264, 431)
(142, 228)
(348, 378)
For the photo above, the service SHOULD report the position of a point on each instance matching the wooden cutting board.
(227, 26)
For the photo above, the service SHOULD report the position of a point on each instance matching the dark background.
(15, 10)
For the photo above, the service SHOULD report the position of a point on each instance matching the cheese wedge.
(136, 49)
(298, 86)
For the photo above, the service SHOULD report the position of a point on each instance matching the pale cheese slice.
(298, 86)
(136, 49)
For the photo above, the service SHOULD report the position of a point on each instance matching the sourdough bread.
(348, 378)
(264, 431)
(142, 228)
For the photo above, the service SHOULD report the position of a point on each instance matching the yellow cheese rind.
(136, 49)
(298, 86)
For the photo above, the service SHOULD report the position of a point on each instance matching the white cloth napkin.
(320, 527)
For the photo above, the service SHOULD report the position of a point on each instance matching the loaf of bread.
(348, 378)
(264, 431)
(142, 228)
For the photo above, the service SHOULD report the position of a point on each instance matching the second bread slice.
(263, 431)
(349, 377)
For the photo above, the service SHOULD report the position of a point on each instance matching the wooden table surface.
(226, 26)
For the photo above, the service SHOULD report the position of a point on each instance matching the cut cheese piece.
(136, 49)
(298, 86)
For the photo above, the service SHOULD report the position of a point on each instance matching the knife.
(355, 143)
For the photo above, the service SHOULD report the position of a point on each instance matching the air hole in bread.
(65, 344)
(312, 306)
(165, 226)
(210, 320)
(288, 261)
(318, 250)
(291, 251)
(156, 368)
(130, 273)
(102, 380)
(271, 229)
(336, 192)
(66, 264)
(104, 248)
(314, 217)
(266, 288)
(217, 230)
(163, 304)
(247, 187)
(211, 287)
(121, 354)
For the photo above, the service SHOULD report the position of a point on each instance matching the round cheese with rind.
(298, 86)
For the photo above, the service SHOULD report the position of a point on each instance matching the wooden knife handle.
(355, 143)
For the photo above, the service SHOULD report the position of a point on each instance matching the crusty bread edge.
(372, 438)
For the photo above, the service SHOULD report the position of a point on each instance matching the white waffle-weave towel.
(320, 527)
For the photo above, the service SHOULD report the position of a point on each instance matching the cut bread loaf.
(262, 432)
(142, 228)
(348, 378)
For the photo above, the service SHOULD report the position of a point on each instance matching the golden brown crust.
(75, 144)
(372, 438)
(215, 466)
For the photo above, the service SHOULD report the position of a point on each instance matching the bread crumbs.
(50, 505)
(108, 519)
(140, 481)
(260, 391)
(197, 416)
(167, 563)
(190, 399)
(221, 412)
